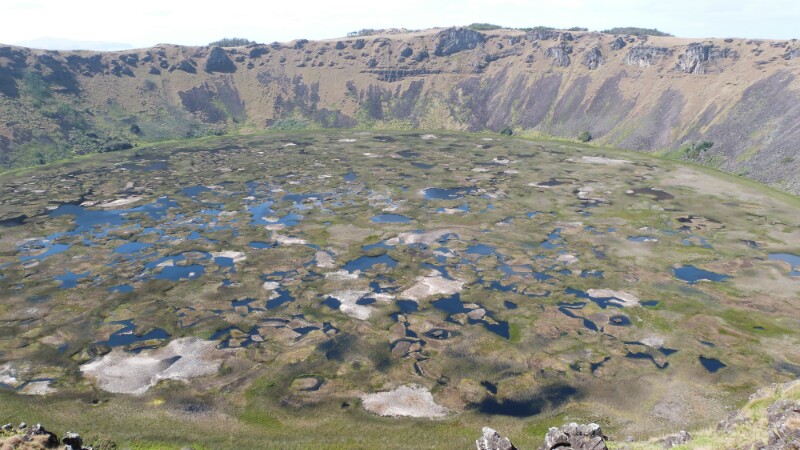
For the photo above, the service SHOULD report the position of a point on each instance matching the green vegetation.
(585, 136)
(232, 42)
(636, 31)
(536, 28)
(507, 131)
(483, 26)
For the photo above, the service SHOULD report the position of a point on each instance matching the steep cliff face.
(657, 94)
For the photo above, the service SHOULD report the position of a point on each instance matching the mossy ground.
(516, 244)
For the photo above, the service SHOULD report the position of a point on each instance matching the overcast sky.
(143, 23)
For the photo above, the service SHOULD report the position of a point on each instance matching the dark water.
(693, 275)
(658, 194)
(548, 398)
(451, 305)
(599, 364)
(52, 250)
(283, 297)
(177, 273)
(793, 260)
(365, 263)
(127, 335)
(643, 355)
(260, 245)
(447, 194)
(407, 306)
(121, 289)
(481, 249)
(650, 303)
(69, 280)
(350, 176)
(642, 238)
(194, 191)
(510, 305)
(620, 321)
(422, 166)
(711, 364)
(86, 219)
(390, 218)
(491, 387)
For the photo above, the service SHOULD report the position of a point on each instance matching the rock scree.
(579, 437)
(491, 440)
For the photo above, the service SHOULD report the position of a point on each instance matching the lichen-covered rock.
(578, 437)
(696, 57)
(618, 43)
(74, 440)
(491, 440)
(218, 61)
(186, 66)
(560, 54)
(783, 425)
(454, 40)
(645, 55)
(679, 438)
(593, 58)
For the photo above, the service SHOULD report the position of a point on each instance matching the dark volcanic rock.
(618, 43)
(39, 430)
(579, 437)
(697, 56)
(676, 439)
(74, 440)
(491, 440)
(186, 66)
(645, 55)
(218, 61)
(593, 58)
(783, 425)
(454, 40)
(560, 54)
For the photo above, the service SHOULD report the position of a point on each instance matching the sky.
(143, 23)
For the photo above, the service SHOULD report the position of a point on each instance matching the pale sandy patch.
(406, 401)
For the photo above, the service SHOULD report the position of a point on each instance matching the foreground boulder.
(674, 440)
(491, 440)
(783, 429)
(579, 437)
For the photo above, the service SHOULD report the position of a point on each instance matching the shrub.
(231, 42)
(585, 136)
(693, 151)
(483, 26)
(507, 131)
(636, 31)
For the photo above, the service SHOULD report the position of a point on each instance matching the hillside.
(655, 94)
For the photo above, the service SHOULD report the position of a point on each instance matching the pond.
(447, 194)
(693, 275)
(390, 218)
(712, 365)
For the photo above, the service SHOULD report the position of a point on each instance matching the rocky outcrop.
(187, 66)
(646, 55)
(593, 58)
(37, 436)
(491, 440)
(560, 54)
(674, 440)
(696, 58)
(618, 43)
(454, 40)
(783, 426)
(218, 61)
(574, 436)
